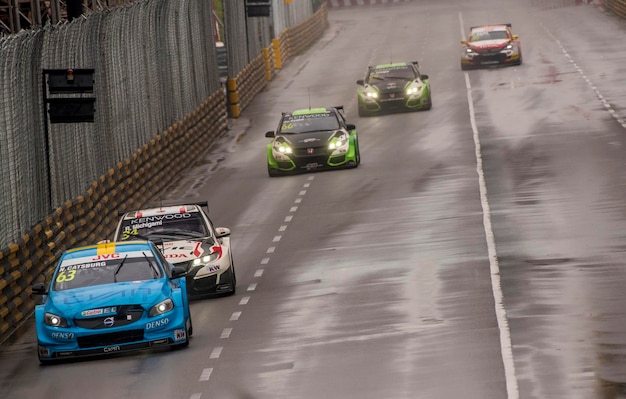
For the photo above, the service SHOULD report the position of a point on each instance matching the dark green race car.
(393, 88)
(312, 139)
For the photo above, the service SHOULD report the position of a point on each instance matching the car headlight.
(339, 143)
(469, 50)
(509, 46)
(370, 92)
(215, 254)
(413, 89)
(53, 320)
(281, 150)
(161, 308)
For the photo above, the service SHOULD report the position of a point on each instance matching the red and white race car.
(491, 45)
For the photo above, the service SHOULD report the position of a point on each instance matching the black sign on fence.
(258, 8)
(66, 109)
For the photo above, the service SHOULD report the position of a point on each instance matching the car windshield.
(292, 124)
(106, 269)
(488, 35)
(399, 72)
(166, 227)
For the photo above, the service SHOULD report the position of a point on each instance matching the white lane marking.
(206, 374)
(496, 284)
(288, 218)
(235, 316)
(196, 396)
(252, 287)
(258, 273)
(215, 354)
(265, 261)
(244, 300)
(311, 177)
(301, 193)
(276, 238)
(270, 250)
(226, 333)
(607, 105)
(298, 200)
(293, 209)
(307, 185)
(282, 228)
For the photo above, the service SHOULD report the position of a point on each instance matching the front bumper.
(318, 158)
(486, 59)
(56, 343)
(395, 102)
(212, 284)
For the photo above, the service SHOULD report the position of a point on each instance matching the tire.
(272, 172)
(430, 102)
(233, 280)
(358, 157)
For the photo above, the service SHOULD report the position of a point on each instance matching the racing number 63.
(66, 276)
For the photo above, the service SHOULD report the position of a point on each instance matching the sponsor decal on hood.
(182, 251)
(487, 44)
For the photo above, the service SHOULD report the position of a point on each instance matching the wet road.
(385, 281)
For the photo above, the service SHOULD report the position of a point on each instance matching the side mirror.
(463, 41)
(178, 272)
(269, 134)
(39, 289)
(424, 77)
(350, 126)
(222, 232)
(360, 82)
(515, 37)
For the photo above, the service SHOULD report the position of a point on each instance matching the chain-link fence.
(159, 105)
(154, 62)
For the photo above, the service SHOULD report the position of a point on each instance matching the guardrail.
(618, 7)
(131, 183)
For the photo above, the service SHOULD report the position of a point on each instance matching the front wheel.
(272, 172)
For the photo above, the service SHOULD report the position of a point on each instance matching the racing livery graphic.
(392, 88)
(186, 236)
(312, 139)
(109, 298)
(491, 45)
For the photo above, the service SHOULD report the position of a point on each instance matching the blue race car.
(110, 298)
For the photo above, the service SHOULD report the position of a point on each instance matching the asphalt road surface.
(477, 252)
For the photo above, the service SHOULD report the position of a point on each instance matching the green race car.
(393, 88)
(312, 139)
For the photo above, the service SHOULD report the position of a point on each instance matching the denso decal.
(157, 324)
(62, 335)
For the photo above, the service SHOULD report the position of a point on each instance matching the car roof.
(107, 248)
(392, 65)
(489, 28)
(163, 210)
(311, 111)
